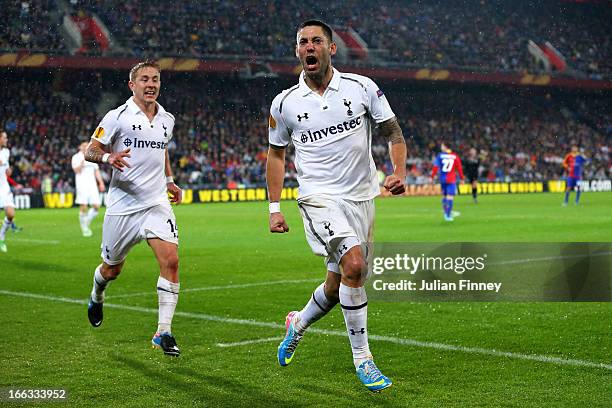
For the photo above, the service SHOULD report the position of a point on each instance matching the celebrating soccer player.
(133, 139)
(89, 185)
(573, 163)
(447, 163)
(328, 117)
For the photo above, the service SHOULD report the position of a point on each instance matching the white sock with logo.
(99, 285)
(354, 303)
(167, 294)
(317, 307)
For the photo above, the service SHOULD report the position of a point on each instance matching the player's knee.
(110, 272)
(171, 263)
(354, 268)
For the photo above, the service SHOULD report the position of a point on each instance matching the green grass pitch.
(238, 282)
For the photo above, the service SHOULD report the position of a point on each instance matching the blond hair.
(141, 65)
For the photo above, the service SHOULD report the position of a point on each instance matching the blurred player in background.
(447, 163)
(6, 197)
(15, 185)
(472, 164)
(328, 117)
(133, 139)
(573, 164)
(89, 185)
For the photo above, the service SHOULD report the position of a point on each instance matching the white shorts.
(121, 232)
(89, 195)
(333, 226)
(6, 199)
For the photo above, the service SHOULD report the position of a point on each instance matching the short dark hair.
(314, 22)
(141, 65)
(447, 144)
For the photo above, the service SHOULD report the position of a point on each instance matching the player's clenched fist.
(278, 223)
(176, 194)
(394, 185)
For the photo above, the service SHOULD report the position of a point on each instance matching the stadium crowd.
(471, 34)
(519, 137)
(31, 25)
(220, 139)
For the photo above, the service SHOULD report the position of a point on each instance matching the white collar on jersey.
(333, 84)
(135, 109)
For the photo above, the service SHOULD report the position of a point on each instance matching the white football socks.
(83, 221)
(99, 284)
(5, 226)
(91, 214)
(354, 303)
(167, 294)
(317, 307)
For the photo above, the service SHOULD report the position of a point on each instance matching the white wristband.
(169, 179)
(274, 207)
(105, 157)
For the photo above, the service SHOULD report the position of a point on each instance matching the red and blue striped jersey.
(447, 163)
(574, 163)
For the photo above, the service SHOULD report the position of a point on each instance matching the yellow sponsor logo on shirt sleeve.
(99, 132)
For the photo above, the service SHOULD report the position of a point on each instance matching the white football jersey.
(332, 134)
(5, 154)
(87, 176)
(142, 185)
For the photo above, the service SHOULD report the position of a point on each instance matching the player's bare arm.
(176, 194)
(96, 153)
(275, 175)
(460, 170)
(391, 130)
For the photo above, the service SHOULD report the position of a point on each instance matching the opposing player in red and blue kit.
(448, 163)
(573, 163)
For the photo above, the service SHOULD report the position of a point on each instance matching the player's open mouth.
(150, 93)
(311, 62)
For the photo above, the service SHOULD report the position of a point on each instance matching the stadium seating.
(467, 35)
(31, 25)
(221, 131)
